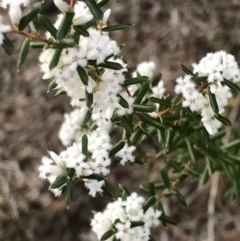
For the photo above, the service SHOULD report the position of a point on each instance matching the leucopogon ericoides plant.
(185, 129)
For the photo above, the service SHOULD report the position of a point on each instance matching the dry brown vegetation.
(165, 31)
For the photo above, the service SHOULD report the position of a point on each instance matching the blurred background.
(167, 32)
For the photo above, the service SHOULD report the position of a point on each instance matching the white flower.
(61, 5)
(145, 69)
(158, 90)
(126, 154)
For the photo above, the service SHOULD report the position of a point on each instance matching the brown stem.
(72, 3)
(30, 36)
(127, 91)
(174, 183)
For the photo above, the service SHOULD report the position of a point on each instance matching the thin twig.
(30, 36)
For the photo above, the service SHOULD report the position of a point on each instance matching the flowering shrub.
(186, 129)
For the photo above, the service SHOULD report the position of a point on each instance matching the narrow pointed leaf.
(136, 136)
(180, 197)
(144, 108)
(161, 101)
(56, 57)
(51, 86)
(25, 20)
(69, 192)
(199, 80)
(119, 146)
(89, 99)
(95, 176)
(85, 146)
(7, 45)
(86, 118)
(103, 3)
(213, 101)
(151, 121)
(94, 8)
(65, 25)
(231, 85)
(142, 91)
(151, 189)
(60, 92)
(224, 120)
(137, 224)
(156, 79)
(83, 75)
(116, 27)
(107, 235)
(152, 200)
(187, 70)
(23, 53)
(81, 30)
(37, 45)
(111, 65)
(59, 182)
(47, 25)
(123, 102)
(136, 80)
(33, 28)
(127, 124)
(167, 219)
(190, 150)
(165, 177)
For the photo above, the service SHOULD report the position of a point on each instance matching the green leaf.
(48, 25)
(65, 25)
(205, 136)
(167, 219)
(136, 136)
(144, 108)
(107, 235)
(94, 8)
(85, 146)
(231, 144)
(151, 121)
(191, 151)
(106, 189)
(83, 75)
(152, 200)
(25, 20)
(127, 125)
(169, 139)
(175, 165)
(136, 80)
(59, 182)
(116, 27)
(69, 192)
(224, 120)
(123, 102)
(89, 99)
(186, 70)
(81, 30)
(37, 45)
(151, 189)
(52, 86)
(161, 101)
(111, 65)
(33, 28)
(142, 92)
(68, 42)
(123, 188)
(60, 92)
(213, 101)
(103, 3)
(199, 80)
(7, 45)
(137, 224)
(180, 197)
(86, 118)
(23, 53)
(119, 146)
(95, 176)
(156, 79)
(231, 85)
(165, 177)
(71, 172)
(56, 57)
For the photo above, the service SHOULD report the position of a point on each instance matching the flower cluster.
(121, 215)
(216, 68)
